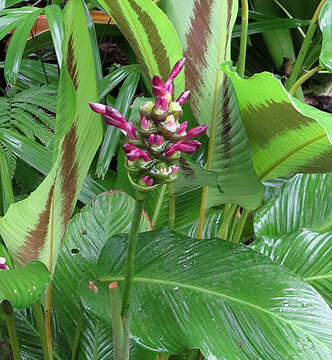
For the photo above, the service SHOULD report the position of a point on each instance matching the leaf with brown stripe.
(34, 228)
(286, 135)
(150, 34)
(205, 29)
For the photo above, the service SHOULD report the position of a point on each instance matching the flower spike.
(158, 136)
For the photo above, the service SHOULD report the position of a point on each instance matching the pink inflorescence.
(157, 139)
(3, 265)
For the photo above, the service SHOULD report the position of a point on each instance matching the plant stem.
(48, 327)
(38, 315)
(240, 225)
(290, 16)
(163, 356)
(8, 194)
(77, 336)
(244, 38)
(228, 215)
(132, 240)
(304, 48)
(116, 321)
(171, 215)
(304, 78)
(202, 212)
(158, 206)
(10, 322)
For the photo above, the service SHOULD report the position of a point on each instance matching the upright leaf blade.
(55, 22)
(34, 228)
(16, 46)
(150, 34)
(325, 24)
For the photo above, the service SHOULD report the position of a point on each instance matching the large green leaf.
(206, 43)
(150, 34)
(286, 135)
(23, 287)
(325, 24)
(109, 214)
(295, 229)
(213, 295)
(34, 228)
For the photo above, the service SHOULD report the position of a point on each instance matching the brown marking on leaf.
(319, 164)
(124, 26)
(266, 121)
(35, 239)
(197, 44)
(71, 64)
(69, 173)
(185, 167)
(158, 49)
(226, 123)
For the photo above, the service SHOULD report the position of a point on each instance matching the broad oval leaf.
(23, 287)
(325, 24)
(294, 229)
(213, 295)
(87, 233)
(150, 34)
(286, 135)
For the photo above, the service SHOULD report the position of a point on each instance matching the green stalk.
(158, 206)
(240, 225)
(77, 336)
(132, 240)
(228, 215)
(8, 194)
(304, 78)
(116, 320)
(38, 315)
(163, 357)
(171, 205)
(244, 38)
(304, 48)
(10, 322)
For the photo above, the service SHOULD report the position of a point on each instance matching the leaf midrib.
(210, 292)
(289, 154)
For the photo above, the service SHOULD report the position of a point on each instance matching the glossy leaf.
(34, 228)
(286, 135)
(187, 292)
(325, 24)
(23, 287)
(109, 214)
(17, 45)
(55, 22)
(150, 35)
(295, 229)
